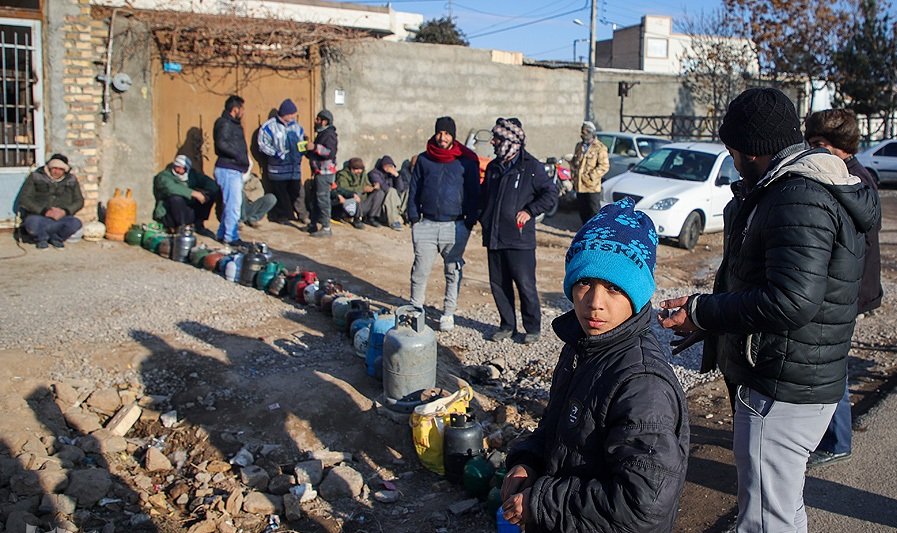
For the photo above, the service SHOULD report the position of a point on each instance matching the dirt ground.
(329, 403)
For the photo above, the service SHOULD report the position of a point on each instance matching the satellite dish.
(121, 82)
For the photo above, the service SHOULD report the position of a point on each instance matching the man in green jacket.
(184, 196)
(354, 178)
(48, 200)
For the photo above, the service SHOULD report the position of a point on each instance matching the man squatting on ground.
(393, 183)
(49, 199)
(837, 131)
(184, 196)
(611, 450)
(783, 308)
(354, 178)
(442, 208)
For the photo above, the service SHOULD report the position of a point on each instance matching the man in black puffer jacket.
(782, 312)
(611, 450)
(232, 163)
(515, 190)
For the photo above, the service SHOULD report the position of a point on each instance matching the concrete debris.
(169, 419)
(463, 506)
(260, 503)
(104, 400)
(255, 477)
(341, 481)
(309, 472)
(124, 419)
(292, 507)
(156, 461)
(88, 486)
(387, 496)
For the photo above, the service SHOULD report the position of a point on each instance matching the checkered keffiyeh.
(510, 132)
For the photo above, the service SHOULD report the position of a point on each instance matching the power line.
(524, 24)
(508, 17)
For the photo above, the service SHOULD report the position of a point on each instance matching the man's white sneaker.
(447, 323)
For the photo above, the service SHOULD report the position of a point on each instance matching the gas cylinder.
(310, 291)
(263, 279)
(461, 440)
(253, 263)
(477, 473)
(221, 267)
(210, 262)
(409, 355)
(195, 250)
(134, 236)
(184, 241)
(360, 341)
(361, 322)
(232, 270)
(373, 356)
(322, 290)
(358, 308)
(152, 229)
(305, 279)
(278, 284)
(341, 306)
(121, 214)
(91, 232)
(501, 523)
(153, 243)
(164, 248)
(263, 249)
(198, 257)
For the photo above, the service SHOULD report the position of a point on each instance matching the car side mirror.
(722, 180)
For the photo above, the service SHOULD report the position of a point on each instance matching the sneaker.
(323, 232)
(57, 243)
(396, 226)
(42, 245)
(531, 338)
(358, 224)
(825, 457)
(375, 223)
(447, 323)
(501, 335)
(309, 228)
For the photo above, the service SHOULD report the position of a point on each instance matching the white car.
(627, 149)
(683, 187)
(881, 161)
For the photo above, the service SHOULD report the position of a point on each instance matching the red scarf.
(447, 155)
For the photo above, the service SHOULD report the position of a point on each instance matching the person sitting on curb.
(395, 186)
(256, 203)
(49, 199)
(346, 205)
(354, 178)
(184, 196)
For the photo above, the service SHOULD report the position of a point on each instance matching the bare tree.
(718, 63)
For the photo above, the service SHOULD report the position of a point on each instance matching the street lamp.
(577, 59)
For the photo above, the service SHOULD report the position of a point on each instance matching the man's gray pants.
(447, 239)
(773, 440)
(321, 207)
(394, 205)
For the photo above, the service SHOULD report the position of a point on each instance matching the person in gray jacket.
(780, 319)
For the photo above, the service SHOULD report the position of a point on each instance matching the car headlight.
(663, 205)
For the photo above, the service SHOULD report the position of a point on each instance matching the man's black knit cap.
(761, 122)
(446, 124)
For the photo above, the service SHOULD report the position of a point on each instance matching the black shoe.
(323, 232)
(501, 335)
(57, 243)
(42, 245)
(375, 223)
(531, 338)
(358, 224)
(309, 228)
(239, 243)
(202, 230)
(825, 457)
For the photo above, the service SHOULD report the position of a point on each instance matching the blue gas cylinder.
(503, 525)
(385, 322)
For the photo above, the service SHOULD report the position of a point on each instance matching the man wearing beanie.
(354, 178)
(780, 319)
(516, 189)
(184, 196)
(442, 208)
(279, 138)
(48, 200)
(611, 450)
(589, 165)
(322, 158)
(395, 186)
(837, 131)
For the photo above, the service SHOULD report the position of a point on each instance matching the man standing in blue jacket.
(442, 208)
(233, 162)
(279, 139)
(516, 190)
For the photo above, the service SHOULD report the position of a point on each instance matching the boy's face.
(600, 306)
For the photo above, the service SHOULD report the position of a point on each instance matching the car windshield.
(677, 164)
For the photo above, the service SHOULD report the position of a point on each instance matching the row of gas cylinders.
(398, 348)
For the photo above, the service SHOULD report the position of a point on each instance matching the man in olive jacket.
(589, 165)
(355, 179)
(783, 308)
(183, 195)
(48, 200)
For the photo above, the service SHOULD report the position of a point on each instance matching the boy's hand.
(518, 479)
(517, 508)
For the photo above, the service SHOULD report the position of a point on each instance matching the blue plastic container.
(503, 525)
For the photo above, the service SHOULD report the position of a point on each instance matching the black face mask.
(586, 137)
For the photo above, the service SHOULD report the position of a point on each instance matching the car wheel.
(688, 235)
(553, 211)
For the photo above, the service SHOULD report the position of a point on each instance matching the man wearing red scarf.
(442, 207)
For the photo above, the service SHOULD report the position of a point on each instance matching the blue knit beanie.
(286, 108)
(618, 245)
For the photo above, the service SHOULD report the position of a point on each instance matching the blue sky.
(544, 29)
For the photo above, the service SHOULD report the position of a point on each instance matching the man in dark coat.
(184, 196)
(611, 450)
(321, 156)
(837, 131)
(394, 184)
(48, 200)
(781, 316)
(233, 162)
(516, 189)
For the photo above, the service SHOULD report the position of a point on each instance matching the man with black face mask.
(590, 163)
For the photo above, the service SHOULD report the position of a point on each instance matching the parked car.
(881, 161)
(683, 187)
(626, 149)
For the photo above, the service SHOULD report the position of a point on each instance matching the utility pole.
(591, 60)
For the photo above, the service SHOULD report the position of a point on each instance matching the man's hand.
(375, 187)
(55, 213)
(687, 340)
(517, 508)
(198, 196)
(369, 188)
(522, 218)
(675, 317)
(518, 479)
(310, 147)
(357, 200)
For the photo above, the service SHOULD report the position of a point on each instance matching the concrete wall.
(394, 92)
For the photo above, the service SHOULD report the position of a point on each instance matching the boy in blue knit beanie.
(611, 449)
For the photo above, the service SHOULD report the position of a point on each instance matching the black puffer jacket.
(612, 447)
(230, 143)
(523, 187)
(785, 298)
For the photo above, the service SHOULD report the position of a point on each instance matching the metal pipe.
(108, 81)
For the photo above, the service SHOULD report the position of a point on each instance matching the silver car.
(881, 161)
(627, 149)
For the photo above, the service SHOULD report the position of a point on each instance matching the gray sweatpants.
(447, 239)
(773, 440)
